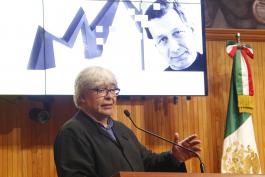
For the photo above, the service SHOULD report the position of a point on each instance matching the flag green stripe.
(238, 72)
(234, 118)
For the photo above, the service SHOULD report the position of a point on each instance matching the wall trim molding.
(216, 34)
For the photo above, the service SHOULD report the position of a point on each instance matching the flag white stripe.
(244, 133)
(240, 153)
(245, 79)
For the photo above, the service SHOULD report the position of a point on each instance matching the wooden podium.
(162, 174)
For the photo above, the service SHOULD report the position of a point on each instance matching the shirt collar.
(109, 122)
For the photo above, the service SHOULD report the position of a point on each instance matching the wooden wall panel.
(26, 147)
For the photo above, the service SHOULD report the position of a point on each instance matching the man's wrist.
(173, 158)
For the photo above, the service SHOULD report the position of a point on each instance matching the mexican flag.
(240, 153)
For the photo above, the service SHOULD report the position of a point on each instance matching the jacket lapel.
(123, 141)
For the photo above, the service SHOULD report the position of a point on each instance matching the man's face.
(173, 39)
(98, 105)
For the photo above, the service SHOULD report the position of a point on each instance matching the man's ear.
(191, 28)
(82, 99)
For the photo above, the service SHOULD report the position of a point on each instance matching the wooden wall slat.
(26, 147)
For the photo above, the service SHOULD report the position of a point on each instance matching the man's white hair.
(90, 78)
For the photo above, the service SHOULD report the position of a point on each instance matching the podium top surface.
(163, 174)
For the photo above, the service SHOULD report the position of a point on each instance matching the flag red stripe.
(244, 52)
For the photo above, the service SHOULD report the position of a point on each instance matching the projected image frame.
(74, 36)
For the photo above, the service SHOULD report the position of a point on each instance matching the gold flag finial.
(238, 38)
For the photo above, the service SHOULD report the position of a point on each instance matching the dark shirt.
(83, 149)
(198, 65)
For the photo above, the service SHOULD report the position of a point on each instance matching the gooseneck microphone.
(127, 114)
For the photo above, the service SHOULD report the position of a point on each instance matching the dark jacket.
(198, 65)
(83, 149)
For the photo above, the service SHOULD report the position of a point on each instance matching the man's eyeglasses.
(105, 91)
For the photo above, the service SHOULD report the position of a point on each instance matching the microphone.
(128, 115)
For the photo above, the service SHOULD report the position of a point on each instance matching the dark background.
(231, 14)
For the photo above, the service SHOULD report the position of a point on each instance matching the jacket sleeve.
(160, 162)
(156, 162)
(163, 162)
(73, 157)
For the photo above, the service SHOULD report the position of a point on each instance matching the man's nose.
(109, 94)
(174, 45)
